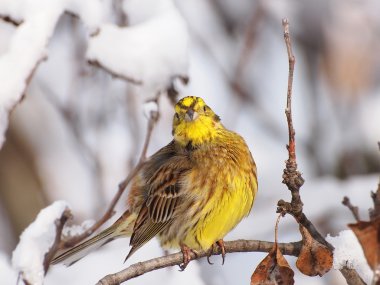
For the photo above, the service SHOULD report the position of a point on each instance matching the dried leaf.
(368, 234)
(273, 270)
(314, 258)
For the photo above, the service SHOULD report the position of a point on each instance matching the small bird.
(190, 193)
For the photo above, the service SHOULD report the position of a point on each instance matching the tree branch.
(141, 268)
(351, 276)
(292, 177)
(354, 210)
(59, 224)
(153, 118)
(10, 20)
(114, 74)
(375, 212)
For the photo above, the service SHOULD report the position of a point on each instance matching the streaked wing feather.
(163, 173)
(161, 203)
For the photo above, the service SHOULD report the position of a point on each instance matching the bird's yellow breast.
(226, 182)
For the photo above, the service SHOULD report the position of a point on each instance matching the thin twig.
(153, 118)
(276, 227)
(122, 186)
(28, 79)
(288, 110)
(133, 123)
(292, 177)
(177, 258)
(106, 216)
(354, 210)
(9, 19)
(59, 224)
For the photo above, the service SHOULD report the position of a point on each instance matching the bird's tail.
(121, 228)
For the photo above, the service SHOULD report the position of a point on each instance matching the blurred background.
(79, 130)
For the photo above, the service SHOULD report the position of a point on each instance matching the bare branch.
(292, 177)
(288, 110)
(177, 258)
(9, 19)
(59, 224)
(351, 276)
(354, 210)
(153, 118)
(122, 186)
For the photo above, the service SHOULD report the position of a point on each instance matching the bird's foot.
(220, 244)
(209, 253)
(186, 252)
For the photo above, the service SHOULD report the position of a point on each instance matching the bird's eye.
(176, 116)
(205, 108)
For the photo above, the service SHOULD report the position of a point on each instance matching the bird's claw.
(220, 244)
(211, 250)
(186, 252)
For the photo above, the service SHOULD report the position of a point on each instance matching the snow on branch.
(33, 253)
(26, 50)
(150, 53)
(348, 253)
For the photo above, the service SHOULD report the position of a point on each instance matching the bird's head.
(194, 122)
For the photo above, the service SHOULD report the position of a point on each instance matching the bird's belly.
(211, 221)
(219, 216)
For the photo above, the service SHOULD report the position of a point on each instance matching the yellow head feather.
(194, 122)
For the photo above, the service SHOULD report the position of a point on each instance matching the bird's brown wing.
(163, 174)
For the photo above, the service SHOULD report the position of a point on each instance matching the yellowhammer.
(190, 193)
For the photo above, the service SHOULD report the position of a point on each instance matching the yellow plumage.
(190, 193)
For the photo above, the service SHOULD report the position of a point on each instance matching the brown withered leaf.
(273, 270)
(314, 258)
(368, 234)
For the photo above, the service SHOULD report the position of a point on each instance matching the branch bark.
(351, 276)
(140, 268)
(59, 224)
(293, 178)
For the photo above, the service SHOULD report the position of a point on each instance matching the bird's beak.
(191, 115)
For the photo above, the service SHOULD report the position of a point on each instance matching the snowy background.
(75, 79)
